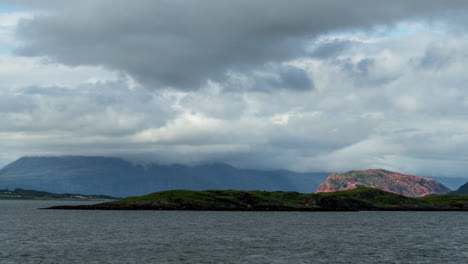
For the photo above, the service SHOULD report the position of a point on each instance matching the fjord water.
(29, 235)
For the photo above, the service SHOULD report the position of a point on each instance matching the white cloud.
(17, 72)
(388, 99)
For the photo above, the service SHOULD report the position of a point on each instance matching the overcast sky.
(302, 85)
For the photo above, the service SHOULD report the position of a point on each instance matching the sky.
(266, 84)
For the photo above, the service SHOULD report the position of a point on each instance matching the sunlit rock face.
(403, 184)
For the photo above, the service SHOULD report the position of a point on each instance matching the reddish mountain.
(404, 184)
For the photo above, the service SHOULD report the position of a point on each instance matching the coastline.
(359, 199)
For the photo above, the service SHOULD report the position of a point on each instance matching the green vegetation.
(359, 198)
(372, 197)
(220, 198)
(447, 199)
(349, 200)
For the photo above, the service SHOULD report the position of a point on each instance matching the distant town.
(40, 195)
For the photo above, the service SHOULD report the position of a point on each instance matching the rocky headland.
(403, 184)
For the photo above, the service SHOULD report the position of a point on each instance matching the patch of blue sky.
(4, 49)
(393, 31)
(399, 31)
(378, 31)
(10, 9)
(364, 34)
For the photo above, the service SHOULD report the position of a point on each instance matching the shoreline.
(105, 207)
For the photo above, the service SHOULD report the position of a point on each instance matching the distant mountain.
(451, 182)
(462, 190)
(403, 184)
(117, 177)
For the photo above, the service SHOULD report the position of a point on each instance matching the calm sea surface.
(29, 235)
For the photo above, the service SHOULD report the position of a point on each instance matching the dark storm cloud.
(183, 43)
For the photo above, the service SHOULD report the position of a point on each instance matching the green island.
(20, 194)
(368, 199)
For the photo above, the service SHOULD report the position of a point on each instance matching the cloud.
(8, 21)
(438, 56)
(183, 44)
(269, 78)
(43, 5)
(330, 49)
(256, 87)
(20, 72)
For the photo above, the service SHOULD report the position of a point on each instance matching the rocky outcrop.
(403, 184)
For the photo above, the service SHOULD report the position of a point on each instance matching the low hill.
(118, 177)
(404, 184)
(232, 200)
(40, 195)
(462, 190)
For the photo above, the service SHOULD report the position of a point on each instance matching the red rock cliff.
(404, 184)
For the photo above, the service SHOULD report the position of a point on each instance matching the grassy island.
(232, 200)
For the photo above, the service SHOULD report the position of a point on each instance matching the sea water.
(30, 235)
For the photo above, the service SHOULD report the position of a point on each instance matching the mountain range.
(118, 177)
